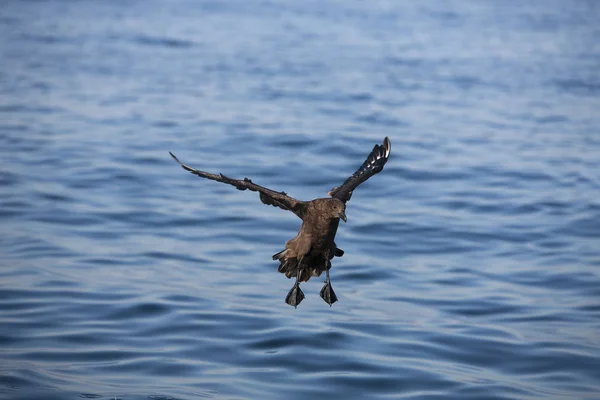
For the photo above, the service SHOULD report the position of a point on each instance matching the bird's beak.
(343, 216)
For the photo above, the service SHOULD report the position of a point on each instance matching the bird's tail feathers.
(289, 266)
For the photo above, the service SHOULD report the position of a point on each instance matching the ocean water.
(472, 265)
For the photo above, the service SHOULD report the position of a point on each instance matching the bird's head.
(338, 209)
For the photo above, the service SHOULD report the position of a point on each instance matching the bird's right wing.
(267, 196)
(372, 165)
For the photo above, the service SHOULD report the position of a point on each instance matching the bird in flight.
(311, 251)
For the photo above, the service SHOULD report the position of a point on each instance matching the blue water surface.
(472, 261)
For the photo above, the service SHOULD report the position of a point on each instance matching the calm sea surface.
(472, 265)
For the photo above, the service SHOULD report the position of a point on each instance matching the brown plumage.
(311, 251)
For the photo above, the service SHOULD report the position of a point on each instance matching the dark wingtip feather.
(387, 145)
(187, 168)
(175, 158)
(378, 157)
(374, 163)
(190, 169)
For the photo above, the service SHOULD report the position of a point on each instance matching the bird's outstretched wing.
(372, 165)
(267, 196)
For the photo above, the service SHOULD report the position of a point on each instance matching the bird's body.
(313, 247)
(310, 252)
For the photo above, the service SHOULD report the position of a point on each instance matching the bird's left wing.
(372, 165)
(267, 196)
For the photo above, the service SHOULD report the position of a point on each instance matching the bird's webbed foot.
(328, 294)
(294, 296)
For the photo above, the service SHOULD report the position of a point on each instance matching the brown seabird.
(311, 251)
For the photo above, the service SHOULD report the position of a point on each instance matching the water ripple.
(471, 262)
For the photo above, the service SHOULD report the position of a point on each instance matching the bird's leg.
(295, 295)
(327, 292)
